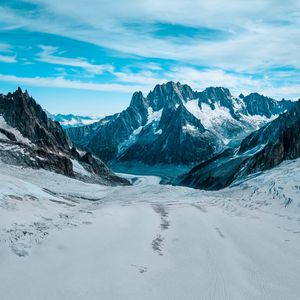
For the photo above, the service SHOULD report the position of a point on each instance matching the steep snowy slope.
(176, 125)
(64, 239)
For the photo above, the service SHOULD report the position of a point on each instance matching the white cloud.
(8, 58)
(264, 33)
(49, 55)
(261, 34)
(60, 82)
(145, 82)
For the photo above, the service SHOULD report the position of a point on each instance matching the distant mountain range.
(29, 138)
(70, 120)
(220, 138)
(176, 125)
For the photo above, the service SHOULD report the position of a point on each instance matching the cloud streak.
(261, 33)
(243, 45)
(198, 80)
(48, 55)
(60, 82)
(8, 59)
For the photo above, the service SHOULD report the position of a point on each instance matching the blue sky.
(88, 57)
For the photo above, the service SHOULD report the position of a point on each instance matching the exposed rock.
(263, 149)
(175, 125)
(34, 140)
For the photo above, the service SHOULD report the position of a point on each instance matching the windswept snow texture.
(65, 239)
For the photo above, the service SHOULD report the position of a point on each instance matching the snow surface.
(153, 120)
(214, 118)
(64, 239)
(208, 117)
(79, 169)
(17, 133)
(189, 127)
(78, 122)
(3, 137)
(154, 116)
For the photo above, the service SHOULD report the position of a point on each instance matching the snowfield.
(64, 239)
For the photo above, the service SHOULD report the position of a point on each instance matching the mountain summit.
(174, 124)
(29, 138)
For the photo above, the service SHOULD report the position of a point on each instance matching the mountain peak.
(139, 103)
(214, 95)
(170, 95)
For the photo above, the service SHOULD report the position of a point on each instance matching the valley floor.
(64, 239)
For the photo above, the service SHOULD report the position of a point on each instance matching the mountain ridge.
(263, 149)
(203, 125)
(29, 138)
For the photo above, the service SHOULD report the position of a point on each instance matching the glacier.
(61, 238)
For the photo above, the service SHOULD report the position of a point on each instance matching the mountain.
(263, 149)
(71, 120)
(176, 125)
(29, 138)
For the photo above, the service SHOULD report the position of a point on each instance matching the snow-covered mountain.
(176, 125)
(97, 242)
(70, 120)
(29, 138)
(263, 149)
(186, 243)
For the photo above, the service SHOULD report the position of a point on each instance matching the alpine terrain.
(175, 125)
(263, 149)
(70, 120)
(28, 138)
(72, 229)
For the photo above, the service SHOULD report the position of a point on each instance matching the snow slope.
(64, 239)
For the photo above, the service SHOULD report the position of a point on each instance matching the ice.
(64, 239)
(209, 117)
(78, 168)
(17, 133)
(189, 127)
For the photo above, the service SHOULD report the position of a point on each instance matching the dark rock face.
(23, 113)
(41, 142)
(265, 148)
(174, 125)
(257, 104)
(213, 95)
(181, 140)
(169, 95)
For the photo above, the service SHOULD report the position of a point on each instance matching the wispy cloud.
(259, 33)
(8, 58)
(243, 45)
(60, 82)
(145, 82)
(49, 55)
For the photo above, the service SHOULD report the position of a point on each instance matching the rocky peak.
(213, 95)
(169, 94)
(33, 140)
(22, 112)
(257, 104)
(139, 103)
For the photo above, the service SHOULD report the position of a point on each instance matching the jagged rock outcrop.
(263, 149)
(175, 125)
(29, 138)
(257, 104)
